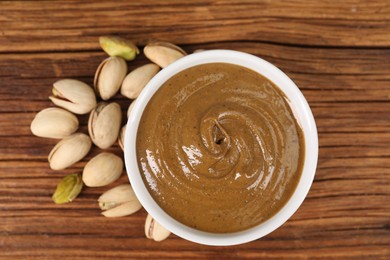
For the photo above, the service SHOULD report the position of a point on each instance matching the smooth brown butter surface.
(219, 148)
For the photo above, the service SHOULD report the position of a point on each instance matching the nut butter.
(219, 148)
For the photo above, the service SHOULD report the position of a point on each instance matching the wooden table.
(337, 52)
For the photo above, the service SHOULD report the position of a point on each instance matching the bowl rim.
(300, 108)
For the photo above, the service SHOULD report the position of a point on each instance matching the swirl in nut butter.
(219, 148)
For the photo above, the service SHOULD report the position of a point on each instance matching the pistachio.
(163, 53)
(130, 108)
(68, 189)
(136, 80)
(102, 169)
(121, 138)
(199, 50)
(117, 46)
(116, 196)
(104, 124)
(109, 76)
(153, 230)
(119, 201)
(54, 123)
(73, 95)
(69, 150)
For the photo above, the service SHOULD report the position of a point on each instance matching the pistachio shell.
(102, 170)
(163, 53)
(199, 50)
(68, 189)
(104, 124)
(153, 230)
(119, 201)
(73, 95)
(54, 122)
(122, 210)
(121, 138)
(136, 80)
(69, 150)
(130, 108)
(117, 46)
(116, 196)
(109, 76)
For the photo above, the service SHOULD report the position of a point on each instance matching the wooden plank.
(337, 52)
(31, 26)
(323, 75)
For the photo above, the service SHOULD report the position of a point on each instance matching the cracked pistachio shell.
(163, 53)
(125, 209)
(136, 80)
(117, 46)
(68, 189)
(153, 230)
(73, 95)
(104, 124)
(54, 122)
(109, 76)
(102, 170)
(130, 108)
(69, 150)
(121, 138)
(119, 201)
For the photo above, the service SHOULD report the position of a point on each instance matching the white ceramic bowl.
(301, 111)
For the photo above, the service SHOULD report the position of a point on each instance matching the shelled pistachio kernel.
(68, 189)
(117, 46)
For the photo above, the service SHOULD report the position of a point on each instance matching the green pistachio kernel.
(116, 46)
(68, 189)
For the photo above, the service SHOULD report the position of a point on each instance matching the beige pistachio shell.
(104, 124)
(116, 196)
(73, 95)
(199, 50)
(122, 210)
(69, 150)
(117, 46)
(153, 230)
(121, 138)
(102, 170)
(119, 201)
(130, 108)
(109, 76)
(136, 80)
(163, 53)
(54, 123)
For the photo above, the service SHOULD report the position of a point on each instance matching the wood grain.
(337, 52)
